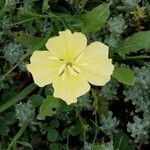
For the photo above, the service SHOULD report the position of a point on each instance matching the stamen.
(61, 69)
(72, 72)
(63, 76)
(76, 69)
(78, 57)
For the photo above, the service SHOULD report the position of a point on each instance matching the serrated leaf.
(134, 43)
(122, 142)
(95, 19)
(25, 39)
(124, 75)
(48, 107)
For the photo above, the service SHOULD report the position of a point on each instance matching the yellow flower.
(70, 65)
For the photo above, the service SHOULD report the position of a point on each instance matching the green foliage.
(134, 43)
(139, 94)
(8, 119)
(95, 121)
(75, 130)
(116, 25)
(18, 97)
(110, 89)
(12, 51)
(26, 40)
(140, 129)
(53, 135)
(112, 40)
(109, 124)
(94, 20)
(25, 113)
(130, 3)
(122, 142)
(107, 146)
(48, 107)
(124, 75)
(36, 100)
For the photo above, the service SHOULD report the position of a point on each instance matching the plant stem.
(17, 136)
(83, 127)
(96, 131)
(138, 57)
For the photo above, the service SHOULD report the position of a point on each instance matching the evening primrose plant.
(81, 97)
(70, 65)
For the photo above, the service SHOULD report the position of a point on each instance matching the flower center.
(70, 67)
(69, 64)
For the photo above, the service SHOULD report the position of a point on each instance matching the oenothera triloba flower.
(70, 65)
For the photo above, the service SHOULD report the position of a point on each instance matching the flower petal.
(67, 45)
(69, 87)
(43, 67)
(95, 65)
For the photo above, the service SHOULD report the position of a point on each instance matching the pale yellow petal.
(43, 69)
(67, 45)
(98, 74)
(70, 87)
(94, 52)
(95, 65)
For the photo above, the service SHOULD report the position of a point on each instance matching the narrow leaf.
(124, 75)
(134, 43)
(18, 97)
(18, 135)
(95, 19)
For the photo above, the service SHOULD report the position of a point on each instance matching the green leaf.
(18, 97)
(25, 12)
(4, 130)
(53, 135)
(75, 130)
(122, 142)
(134, 43)
(26, 40)
(26, 144)
(102, 107)
(49, 90)
(48, 107)
(45, 5)
(97, 147)
(55, 146)
(54, 123)
(2, 121)
(17, 136)
(39, 45)
(10, 118)
(95, 19)
(36, 100)
(124, 75)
